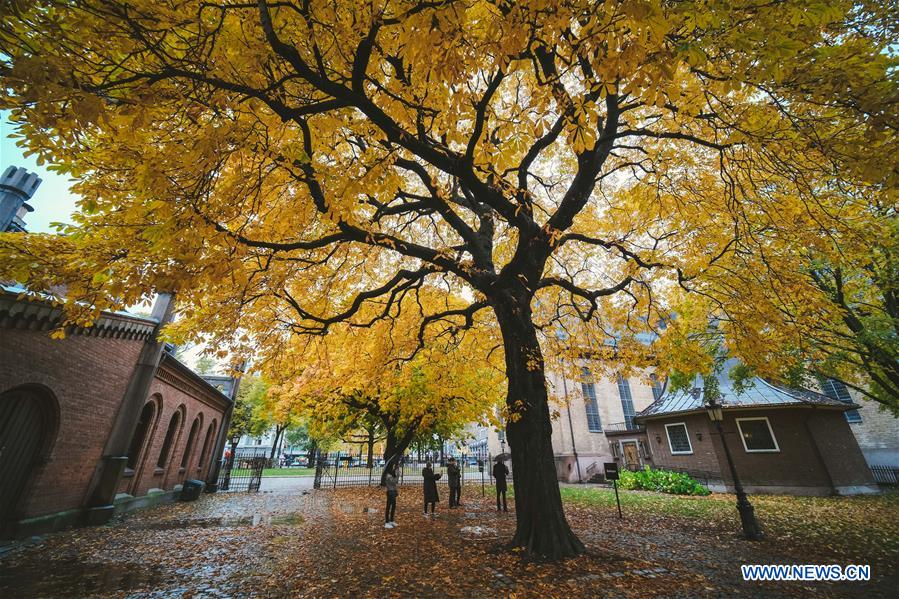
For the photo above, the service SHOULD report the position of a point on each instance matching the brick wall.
(704, 457)
(817, 450)
(173, 394)
(88, 376)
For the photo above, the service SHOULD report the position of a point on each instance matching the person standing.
(500, 472)
(454, 477)
(430, 487)
(390, 481)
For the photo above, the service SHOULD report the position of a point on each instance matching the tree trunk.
(371, 447)
(541, 527)
(394, 447)
(310, 456)
(279, 430)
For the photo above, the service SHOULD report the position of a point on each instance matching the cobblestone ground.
(291, 542)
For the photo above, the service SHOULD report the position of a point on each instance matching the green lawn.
(866, 523)
(288, 472)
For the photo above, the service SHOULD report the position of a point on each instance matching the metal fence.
(885, 475)
(242, 471)
(353, 470)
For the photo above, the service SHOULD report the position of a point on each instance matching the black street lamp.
(751, 528)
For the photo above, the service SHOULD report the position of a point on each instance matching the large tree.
(284, 165)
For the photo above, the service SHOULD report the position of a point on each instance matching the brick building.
(102, 421)
(782, 440)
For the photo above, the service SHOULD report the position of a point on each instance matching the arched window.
(174, 425)
(191, 440)
(140, 434)
(207, 445)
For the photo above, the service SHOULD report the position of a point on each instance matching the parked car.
(301, 462)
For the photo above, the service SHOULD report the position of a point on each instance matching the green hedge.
(663, 481)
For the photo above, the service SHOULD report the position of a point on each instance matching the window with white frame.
(678, 439)
(757, 435)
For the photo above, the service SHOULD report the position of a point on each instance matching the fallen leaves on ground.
(333, 544)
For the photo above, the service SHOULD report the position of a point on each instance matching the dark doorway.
(27, 429)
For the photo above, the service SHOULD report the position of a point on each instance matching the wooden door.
(25, 426)
(631, 455)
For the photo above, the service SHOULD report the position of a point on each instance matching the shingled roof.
(759, 393)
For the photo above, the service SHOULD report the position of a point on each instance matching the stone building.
(17, 186)
(592, 424)
(99, 422)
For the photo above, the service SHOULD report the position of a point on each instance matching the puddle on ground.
(352, 508)
(227, 521)
(62, 578)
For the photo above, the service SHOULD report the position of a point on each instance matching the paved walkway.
(286, 484)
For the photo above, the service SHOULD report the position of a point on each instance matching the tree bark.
(394, 447)
(310, 456)
(279, 430)
(541, 527)
(371, 446)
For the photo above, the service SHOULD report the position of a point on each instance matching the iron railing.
(624, 427)
(352, 470)
(242, 471)
(885, 475)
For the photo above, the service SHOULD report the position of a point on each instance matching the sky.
(52, 202)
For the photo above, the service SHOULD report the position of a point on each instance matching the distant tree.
(205, 365)
(247, 419)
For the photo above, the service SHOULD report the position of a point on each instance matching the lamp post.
(751, 528)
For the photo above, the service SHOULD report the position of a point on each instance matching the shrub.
(663, 481)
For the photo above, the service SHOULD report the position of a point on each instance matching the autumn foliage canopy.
(557, 175)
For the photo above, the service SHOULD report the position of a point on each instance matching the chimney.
(17, 186)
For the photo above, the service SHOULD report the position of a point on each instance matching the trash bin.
(191, 489)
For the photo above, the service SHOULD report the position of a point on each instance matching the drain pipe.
(571, 428)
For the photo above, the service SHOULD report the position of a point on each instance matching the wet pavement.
(207, 548)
